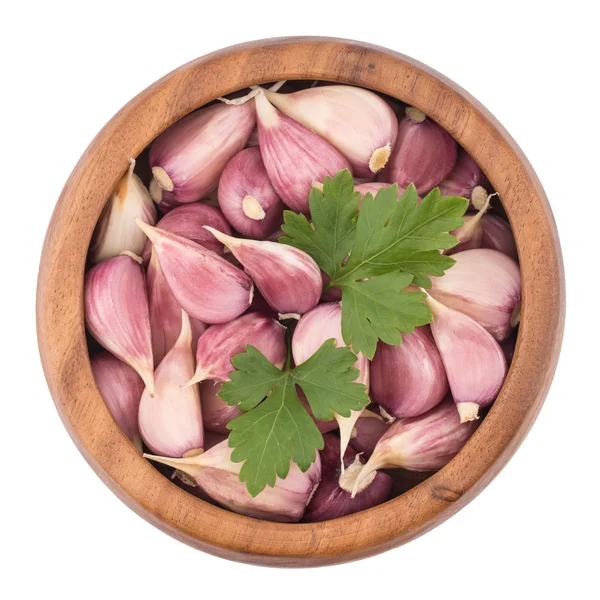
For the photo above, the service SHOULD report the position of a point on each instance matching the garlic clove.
(188, 157)
(288, 278)
(424, 443)
(218, 476)
(116, 230)
(473, 359)
(247, 198)
(220, 343)
(498, 235)
(485, 285)
(409, 379)
(216, 413)
(293, 155)
(424, 153)
(368, 430)
(466, 180)
(357, 122)
(121, 388)
(206, 286)
(116, 313)
(470, 234)
(188, 221)
(170, 421)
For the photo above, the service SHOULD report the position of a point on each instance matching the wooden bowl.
(60, 320)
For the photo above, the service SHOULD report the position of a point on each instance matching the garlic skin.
(498, 235)
(288, 278)
(367, 431)
(332, 498)
(293, 155)
(474, 361)
(218, 476)
(247, 198)
(170, 421)
(220, 343)
(121, 388)
(424, 153)
(116, 313)
(206, 286)
(357, 122)
(188, 157)
(409, 379)
(466, 180)
(216, 413)
(188, 221)
(116, 230)
(424, 443)
(485, 285)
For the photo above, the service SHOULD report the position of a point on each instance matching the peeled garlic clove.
(116, 313)
(188, 221)
(218, 476)
(409, 379)
(485, 285)
(170, 421)
(205, 285)
(424, 153)
(322, 425)
(466, 180)
(121, 388)
(474, 362)
(293, 155)
(288, 278)
(116, 230)
(216, 413)
(247, 197)
(357, 122)
(424, 443)
(368, 430)
(220, 343)
(188, 157)
(498, 235)
(333, 496)
(165, 313)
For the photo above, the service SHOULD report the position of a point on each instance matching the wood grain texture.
(60, 319)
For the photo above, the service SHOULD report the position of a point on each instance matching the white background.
(68, 67)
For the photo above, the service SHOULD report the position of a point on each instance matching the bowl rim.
(60, 320)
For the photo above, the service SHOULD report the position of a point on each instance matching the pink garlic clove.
(188, 221)
(288, 278)
(409, 379)
(116, 231)
(116, 313)
(485, 285)
(367, 431)
(220, 343)
(333, 497)
(293, 155)
(188, 157)
(170, 421)
(424, 443)
(498, 235)
(424, 153)
(205, 285)
(218, 476)
(121, 388)
(470, 234)
(357, 122)
(247, 197)
(466, 180)
(474, 362)
(216, 413)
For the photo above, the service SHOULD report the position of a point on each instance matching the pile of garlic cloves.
(185, 271)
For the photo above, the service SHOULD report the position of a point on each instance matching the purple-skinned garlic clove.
(205, 285)
(218, 476)
(293, 155)
(121, 388)
(288, 278)
(170, 421)
(498, 235)
(485, 285)
(466, 180)
(116, 313)
(216, 413)
(188, 158)
(220, 343)
(409, 379)
(247, 198)
(474, 361)
(367, 431)
(424, 153)
(470, 233)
